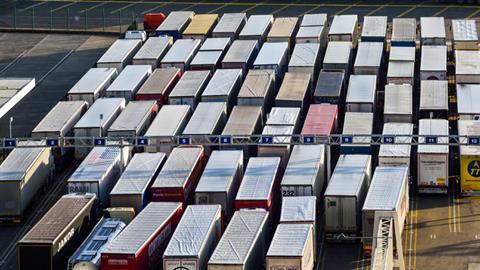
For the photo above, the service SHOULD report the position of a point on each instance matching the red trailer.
(141, 244)
(159, 85)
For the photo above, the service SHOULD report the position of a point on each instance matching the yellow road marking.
(34, 5)
(473, 14)
(193, 5)
(94, 7)
(410, 9)
(347, 8)
(440, 11)
(284, 7)
(378, 9)
(62, 7)
(253, 6)
(124, 7)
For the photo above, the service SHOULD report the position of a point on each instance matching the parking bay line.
(95, 6)
(124, 7)
(33, 6)
(62, 7)
(473, 14)
(347, 8)
(410, 10)
(378, 9)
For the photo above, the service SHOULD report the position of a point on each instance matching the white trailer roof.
(257, 25)
(178, 167)
(215, 44)
(374, 26)
(230, 22)
(304, 165)
(338, 52)
(259, 178)
(191, 234)
(120, 50)
(205, 118)
(102, 106)
(133, 116)
(154, 48)
(348, 176)
(467, 62)
(360, 123)
(304, 55)
(283, 27)
(433, 127)
(191, 83)
(385, 190)
(168, 121)
(464, 30)
(433, 95)
(279, 130)
(209, 58)
(181, 51)
(220, 171)
(432, 27)
(404, 29)
(361, 89)
(369, 54)
(400, 53)
(18, 162)
(243, 120)
(290, 240)
(59, 118)
(222, 82)
(271, 53)
(343, 24)
(318, 19)
(468, 128)
(398, 99)
(283, 116)
(140, 170)
(240, 51)
(176, 20)
(468, 96)
(143, 227)
(94, 80)
(97, 163)
(309, 32)
(398, 69)
(397, 150)
(257, 83)
(434, 58)
(131, 78)
(298, 208)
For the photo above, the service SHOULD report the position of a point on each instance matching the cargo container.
(119, 54)
(283, 30)
(292, 247)
(311, 34)
(305, 58)
(469, 156)
(361, 93)
(465, 36)
(467, 67)
(273, 55)
(129, 82)
(141, 244)
(159, 85)
(280, 145)
(369, 59)
(23, 172)
(374, 29)
(398, 104)
(179, 176)
(189, 88)
(432, 160)
(400, 72)
(259, 185)
(432, 30)
(175, 24)
(466, 108)
(88, 254)
(243, 121)
(200, 27)
(338, 56)
(92, 85)
(197, 234)
(14, 90)
(258, 90)
(360, 123)
(133, 187)
(220, 180)
(96, 121)
(345, 195)
(256, 28)
(241, 54)
(170, 121)
(230, 25)
(210, 54)
(134, 120)
(280, 116)
(299, 209)
(216, 44)
(244, 243)
(181, 54)
(398, 152)
(152, 51)
(329, 88)
(404, 32)
(433, 63)
(433, 99)
(224, 87)
(295, 91)
(98, 173)
(402, 54)
(344, 28)
(54, 238)
(387, 196)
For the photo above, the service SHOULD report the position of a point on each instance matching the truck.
(433, 64)
(313, 29)
(398, 104)
(369, 60)
(119, 54)
(181, 54)
(258, 90)
(396, 152)
(374, 29)
(129, 82)
(283, 30)
(469, 156)
(230, 25)
(432, 31)
(400, 72)
(200, 27)
(152, 51)
(467, 67)
(295, 91)
(465, 36)
(223, 87)
(338, 56)
(344, 28)
(361, 94)
(273, 55)
(175, 24)
(92, 85)
(256, 28)
(305, 58)
(330, 88)
(159, 85)
(134, 120)
(241, 54)
(360, 123)
(433, 99)
(404, 32)
(189, 88)
(466, 93)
